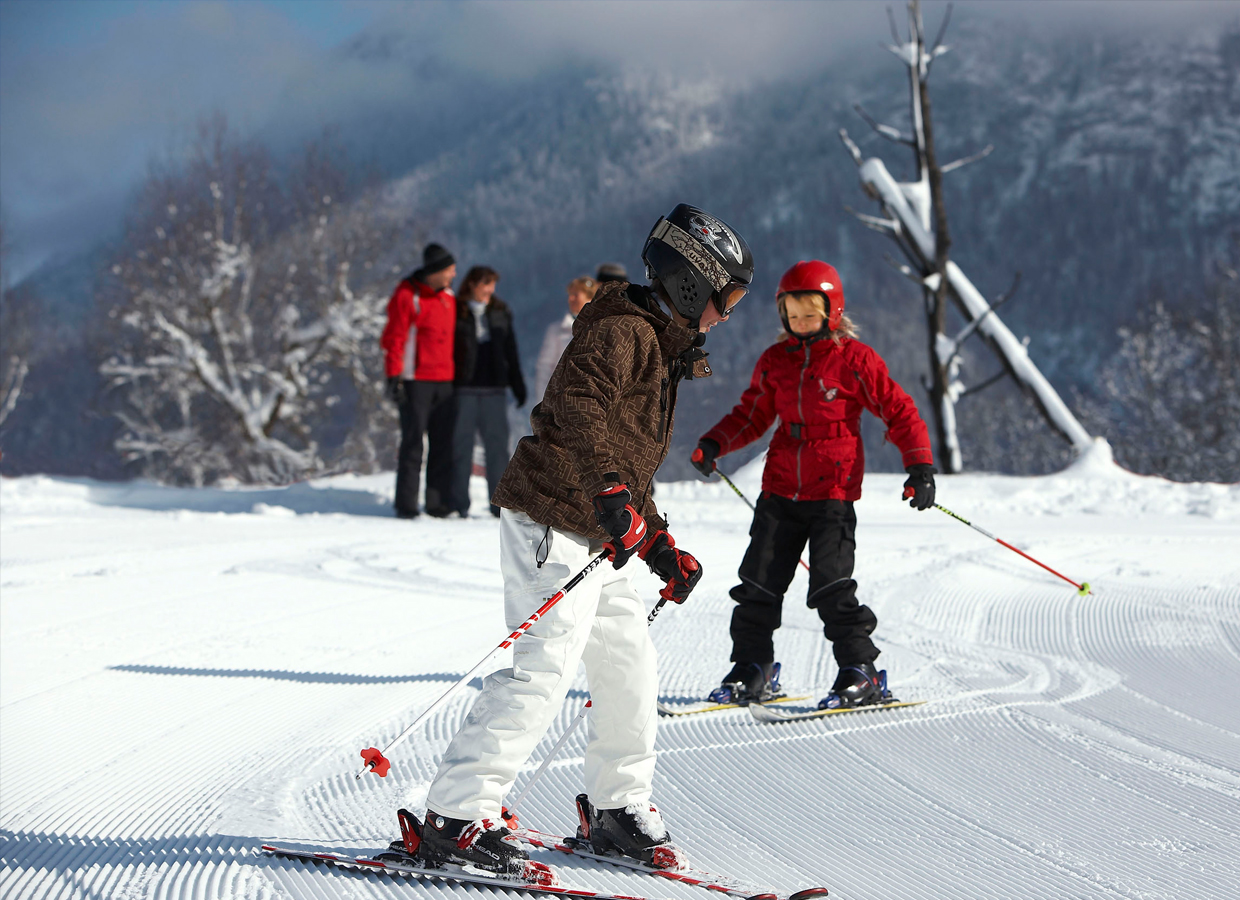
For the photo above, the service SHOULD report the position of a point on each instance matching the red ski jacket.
(418, 339)
(817, 389)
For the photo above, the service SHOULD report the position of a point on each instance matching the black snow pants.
(427, 409)
(780, 530)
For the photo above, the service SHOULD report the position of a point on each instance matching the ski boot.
(748, 683)
(483, 844)
(636, 831)
(859, 685)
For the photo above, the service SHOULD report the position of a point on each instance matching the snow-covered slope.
(185, 674)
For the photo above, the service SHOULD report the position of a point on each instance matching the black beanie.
(435, 259)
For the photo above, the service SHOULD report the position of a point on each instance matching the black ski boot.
(859, 685)
(635, 832)
(482, 844)
(748, 683)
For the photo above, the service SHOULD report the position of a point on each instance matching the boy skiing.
(816, 380)
(579, 486)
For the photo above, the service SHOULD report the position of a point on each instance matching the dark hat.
(434, 259)
(612, 272)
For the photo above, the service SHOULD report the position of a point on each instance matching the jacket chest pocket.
(829, 393)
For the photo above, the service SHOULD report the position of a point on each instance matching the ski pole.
(375, 759)
(1083, 588)
(510, 812)
(698, 456)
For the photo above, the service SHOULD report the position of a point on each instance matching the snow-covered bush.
(240, 341)
(15, 343)
(1169, 399)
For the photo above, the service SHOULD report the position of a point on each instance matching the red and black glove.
(616, 515)
(919, 489)
(676, 567)
(703, 458)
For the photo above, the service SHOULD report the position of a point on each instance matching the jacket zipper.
(663, 406)
(801, 414)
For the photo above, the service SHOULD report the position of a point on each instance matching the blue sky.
(92, 90)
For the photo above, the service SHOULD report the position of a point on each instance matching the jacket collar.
(615, 299)
(424, 290)
(796, 342)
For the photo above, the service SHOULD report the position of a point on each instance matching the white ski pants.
(601, 622)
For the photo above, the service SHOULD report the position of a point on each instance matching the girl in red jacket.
(816, 381)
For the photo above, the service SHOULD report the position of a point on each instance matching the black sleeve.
(515, 379)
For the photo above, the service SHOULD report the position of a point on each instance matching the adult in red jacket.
(815, 381)
(418, 359)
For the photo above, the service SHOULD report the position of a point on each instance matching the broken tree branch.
(891, 134)
(961, 163)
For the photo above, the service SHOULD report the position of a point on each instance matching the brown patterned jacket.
(607, 413)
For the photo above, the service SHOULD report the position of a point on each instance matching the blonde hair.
(845, 328)
(585, 284)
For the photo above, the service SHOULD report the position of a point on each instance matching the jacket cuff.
(917, 456)
(718, 437)
(594, 483)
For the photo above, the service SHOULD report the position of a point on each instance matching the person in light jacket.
(580, 292)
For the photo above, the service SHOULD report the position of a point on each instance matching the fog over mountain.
(1115, 177)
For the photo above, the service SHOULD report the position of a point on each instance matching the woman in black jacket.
(487, 365)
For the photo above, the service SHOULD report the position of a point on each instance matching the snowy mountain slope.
(187, 673)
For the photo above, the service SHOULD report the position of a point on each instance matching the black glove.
(703, 458)
(616, 515)
(395, 390)
(677, 568)
(519, 395)
(920, 486)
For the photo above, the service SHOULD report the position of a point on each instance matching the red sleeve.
(396, 331)
(750, 418)
(887, 400)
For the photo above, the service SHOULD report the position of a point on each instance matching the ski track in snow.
(187, 674)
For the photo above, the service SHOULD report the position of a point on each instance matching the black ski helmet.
(698, 259)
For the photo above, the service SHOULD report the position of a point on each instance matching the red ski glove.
(616, 515)
(676, 567)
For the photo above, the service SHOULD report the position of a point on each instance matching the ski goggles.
(726, 298)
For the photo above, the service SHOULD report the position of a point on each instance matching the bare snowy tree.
(914, 216)
(1169, 399)
(238, 328)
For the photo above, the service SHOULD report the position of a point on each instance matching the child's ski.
(763, 714)
(668, 710)
(719, 883)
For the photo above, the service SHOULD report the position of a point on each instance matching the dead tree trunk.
(908, 210)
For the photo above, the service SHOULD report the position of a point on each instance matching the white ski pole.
(510, 812)
(379, 764)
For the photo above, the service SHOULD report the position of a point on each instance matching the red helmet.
(816, 275)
